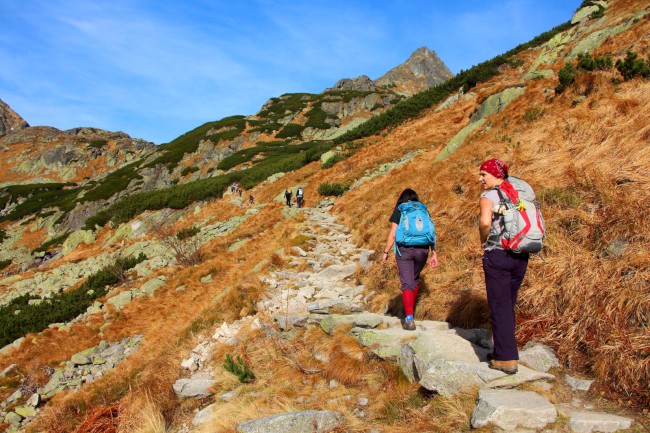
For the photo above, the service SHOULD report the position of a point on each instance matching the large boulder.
(313, 421)
(197, 388)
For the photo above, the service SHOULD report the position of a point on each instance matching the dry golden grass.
(590, 165)
(592, 161)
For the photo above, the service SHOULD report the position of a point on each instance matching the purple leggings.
(504, 272)
(409, 264)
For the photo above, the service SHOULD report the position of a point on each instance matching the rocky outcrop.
(83, 367)
(422, 70)
(492, 105)
(10, 120)
(69, 155)
(362, 83)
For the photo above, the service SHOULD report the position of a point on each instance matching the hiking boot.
(409, 323)
(508, 367)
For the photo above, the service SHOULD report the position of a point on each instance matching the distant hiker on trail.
(299, 195)
(287, 194)
(239, 191)
(504, 268)
(413, 234)
(251, 199)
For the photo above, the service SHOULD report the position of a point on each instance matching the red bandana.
(499, 169)
(495, 167)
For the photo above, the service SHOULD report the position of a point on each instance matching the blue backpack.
(415, 226)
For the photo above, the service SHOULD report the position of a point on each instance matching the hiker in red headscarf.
(504, 270)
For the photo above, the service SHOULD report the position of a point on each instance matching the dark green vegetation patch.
(278, 159)
(224, 129)
(37, 197)
(331, 189)
(18, 317)
(54, 242)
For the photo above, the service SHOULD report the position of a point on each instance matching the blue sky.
(157, 69)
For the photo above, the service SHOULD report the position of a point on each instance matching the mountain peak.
(422, 70)
(9, 119)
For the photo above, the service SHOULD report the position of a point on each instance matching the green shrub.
(288, 103)
(632, 66)
(38, 197)
(54, 242)
(534, 113)
(3, 235)
(291, 130)
(97, 144)
(597, 14)
(239, 369)
(316, 118)
(113, 183)
(62, 308)
(588, 63)
(333, 160)
(331, 189)
(567, 198)
(188, 170)
(187, 233)
(4, 264)
(566, 76)
(267, 128)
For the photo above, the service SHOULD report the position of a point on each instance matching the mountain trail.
(319, 288)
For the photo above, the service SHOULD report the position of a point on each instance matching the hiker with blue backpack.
(510, 227)
(412, 236)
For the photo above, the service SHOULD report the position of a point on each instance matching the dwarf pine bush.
(331, 189)
(239, 369)
(632, 66)
(566, 76)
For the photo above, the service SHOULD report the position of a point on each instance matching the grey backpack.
(524, 230)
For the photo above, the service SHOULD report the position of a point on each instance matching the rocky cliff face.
(10, 120)
(422, 70)
(45, 153)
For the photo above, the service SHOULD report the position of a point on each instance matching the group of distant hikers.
(236, 189)
(300, 195)
(510, 228)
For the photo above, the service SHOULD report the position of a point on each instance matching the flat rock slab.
(330, 306)
(312, 421)
(588, 422)
(509, 410)
(524, 374)
(197, 388)
(335, 273)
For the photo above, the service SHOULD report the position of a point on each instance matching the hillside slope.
(584, 149)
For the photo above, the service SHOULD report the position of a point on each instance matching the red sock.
(408, 298)
(417, 289)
